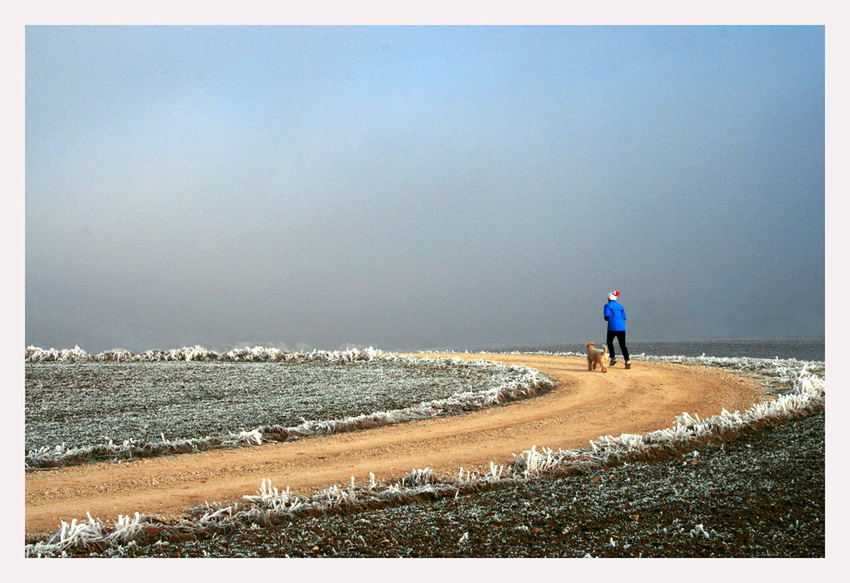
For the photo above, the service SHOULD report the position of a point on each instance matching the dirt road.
(584, 406)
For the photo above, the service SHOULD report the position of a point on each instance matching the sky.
(416, 187)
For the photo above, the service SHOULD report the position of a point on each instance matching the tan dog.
(596, 356)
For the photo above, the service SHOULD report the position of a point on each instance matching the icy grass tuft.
(269, 504)
(90, 535)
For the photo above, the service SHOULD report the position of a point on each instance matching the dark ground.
(761, 494)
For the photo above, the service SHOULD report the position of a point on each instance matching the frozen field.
(81, 407)
(705, 488)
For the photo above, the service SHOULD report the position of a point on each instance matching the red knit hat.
(613, 295)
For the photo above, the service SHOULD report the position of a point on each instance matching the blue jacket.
(615, 315)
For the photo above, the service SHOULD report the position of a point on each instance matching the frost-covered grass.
(783, 375)
(81, 407)
(270, 506)
(197, 354)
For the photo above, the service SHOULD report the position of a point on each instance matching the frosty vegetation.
(804, 393)
(198, 354)
(118, 405)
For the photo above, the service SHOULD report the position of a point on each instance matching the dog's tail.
(604, 349)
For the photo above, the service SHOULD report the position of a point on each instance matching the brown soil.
(584, 406)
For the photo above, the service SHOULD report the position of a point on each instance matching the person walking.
(615, 315)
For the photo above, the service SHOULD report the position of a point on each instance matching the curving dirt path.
(584, 406)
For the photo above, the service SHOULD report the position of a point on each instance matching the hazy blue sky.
(418, 187)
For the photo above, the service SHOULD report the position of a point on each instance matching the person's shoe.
(628, 364)
(613, 362)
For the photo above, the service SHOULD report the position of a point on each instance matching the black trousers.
(620, 335)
